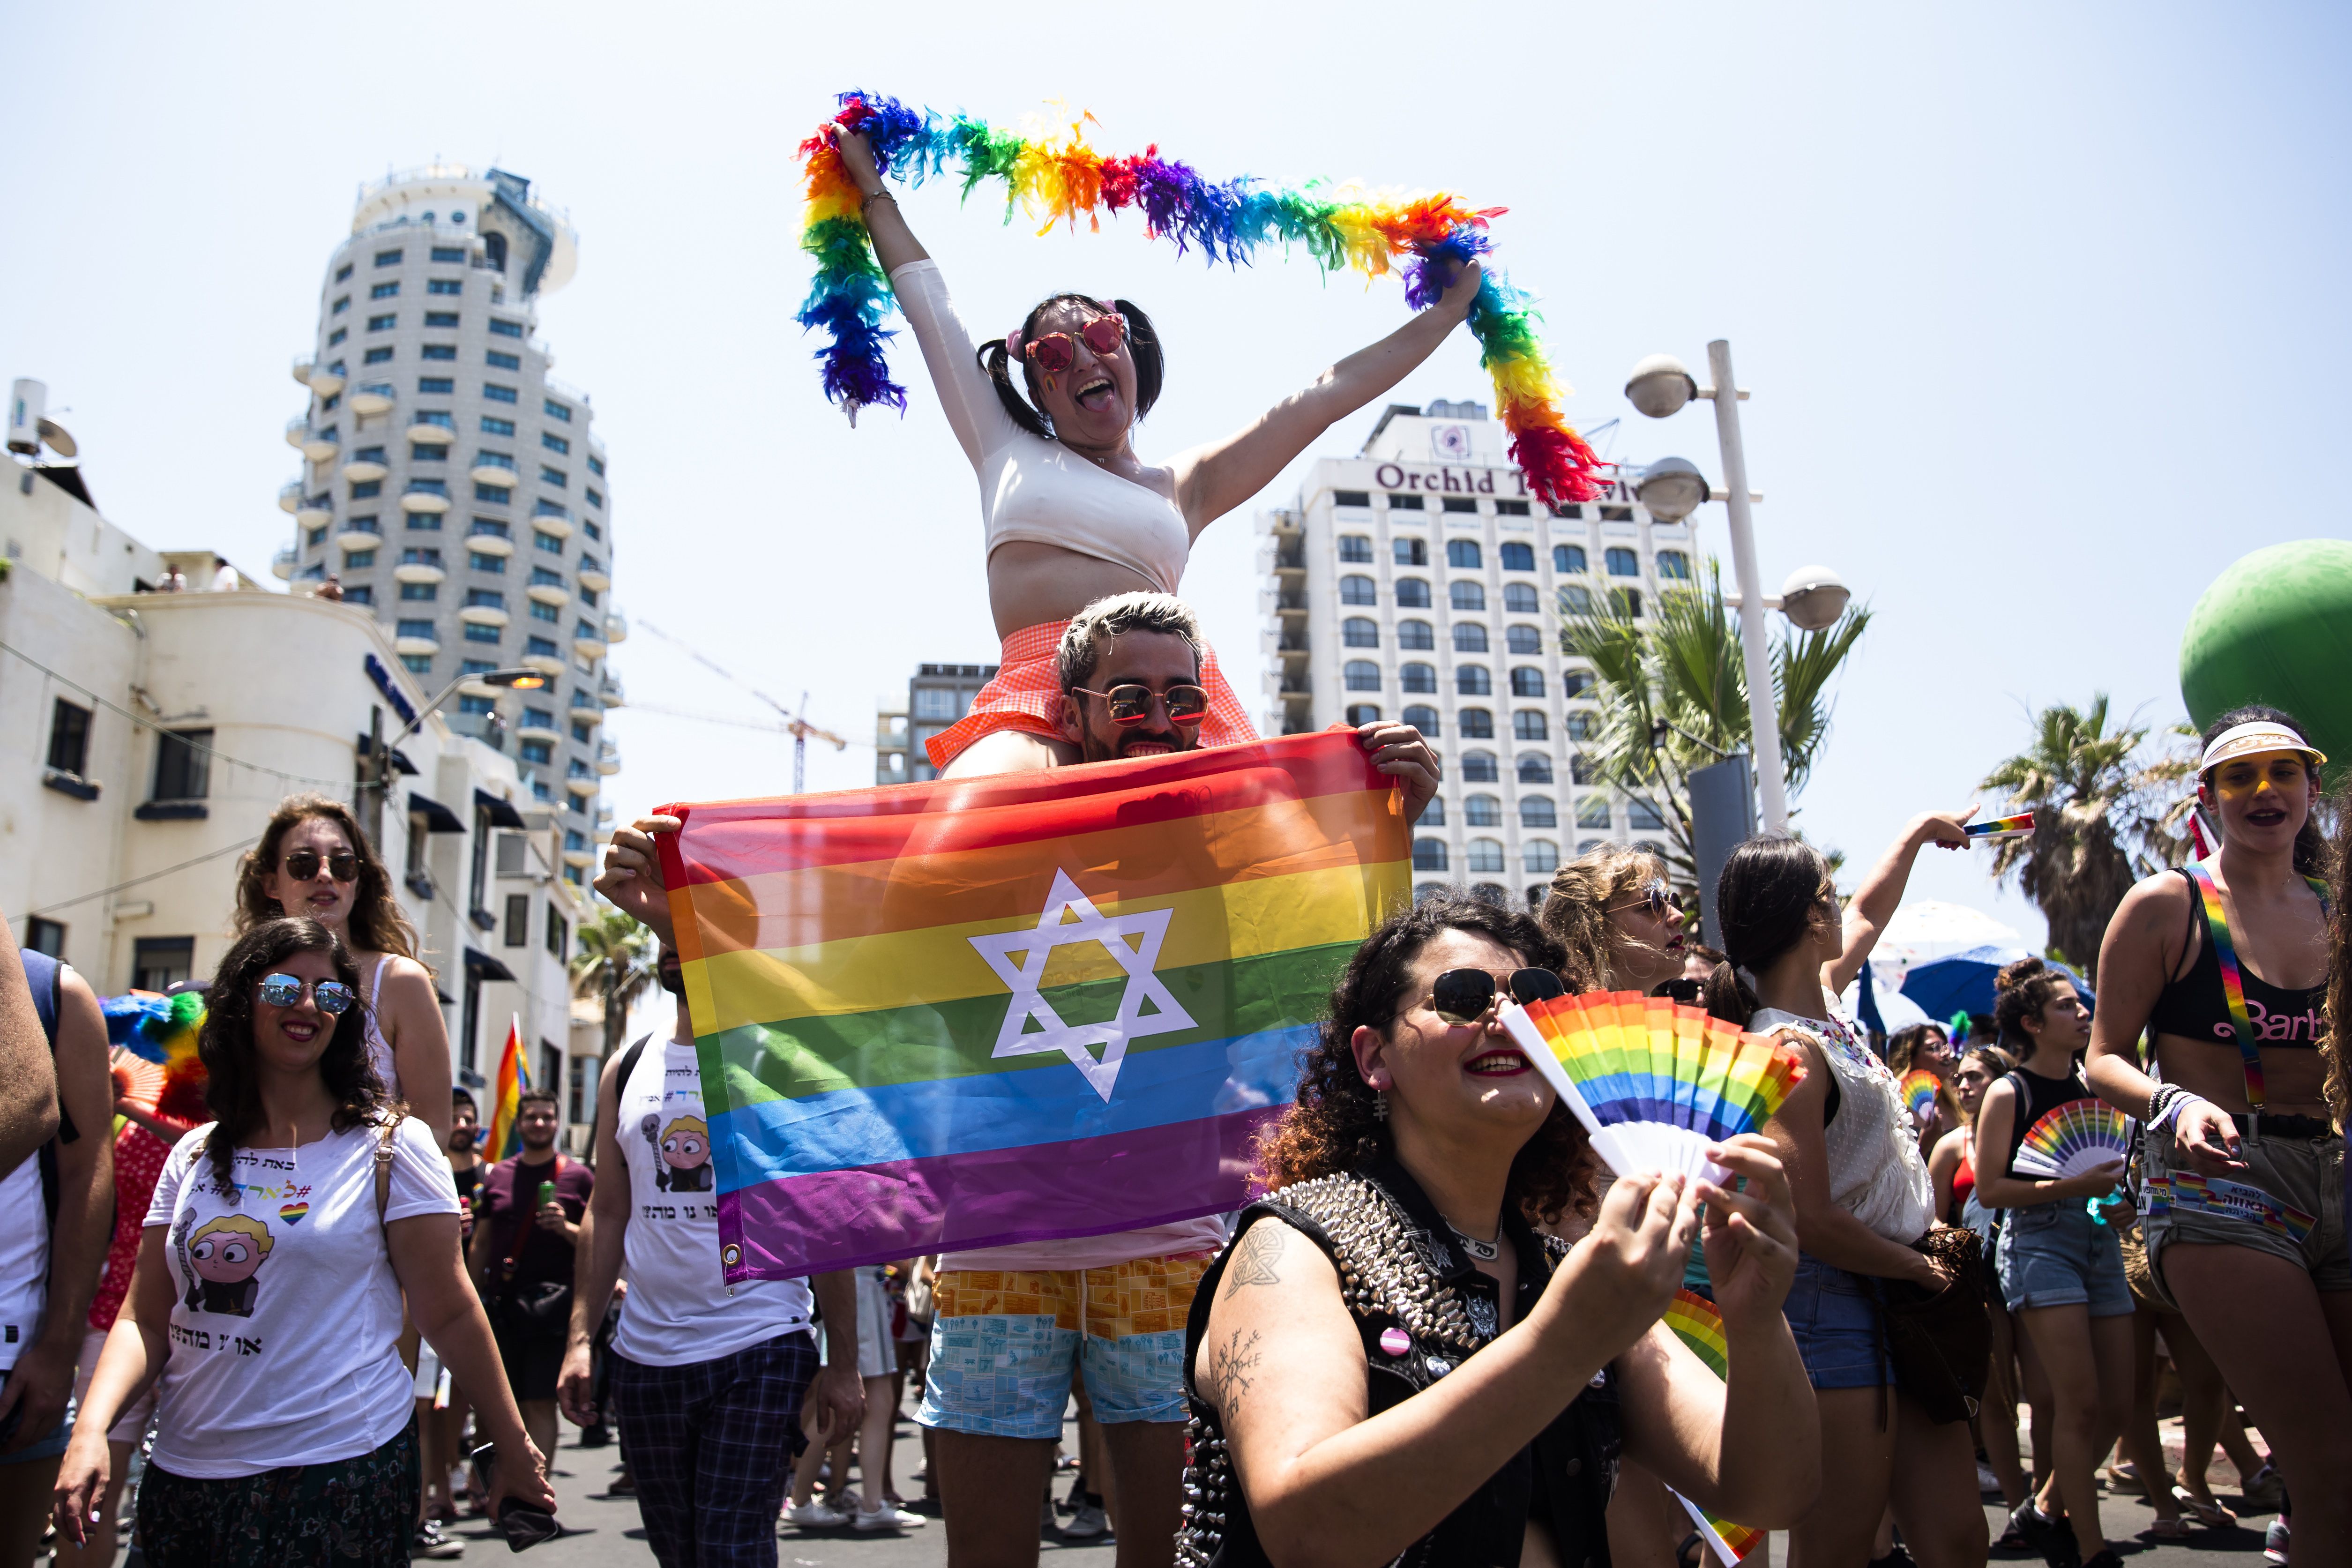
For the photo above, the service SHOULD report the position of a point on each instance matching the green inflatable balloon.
(2276, 627)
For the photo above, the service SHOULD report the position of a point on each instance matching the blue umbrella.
(1963, 982)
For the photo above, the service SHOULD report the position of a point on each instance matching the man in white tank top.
(707, 1382)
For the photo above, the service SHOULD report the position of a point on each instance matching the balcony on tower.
(376, 397)
(608, 758)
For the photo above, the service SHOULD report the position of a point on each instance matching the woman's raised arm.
(1213, 479)
(895, 244)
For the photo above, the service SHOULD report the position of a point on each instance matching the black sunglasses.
(302, 865)
(1131, 704)
(1464, 995)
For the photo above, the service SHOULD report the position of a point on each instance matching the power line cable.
(241, 843)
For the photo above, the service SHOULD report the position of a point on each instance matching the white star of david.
(1072, 1040)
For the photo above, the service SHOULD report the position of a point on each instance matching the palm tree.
(613, 966)
(1672, 689)
(2107, 809)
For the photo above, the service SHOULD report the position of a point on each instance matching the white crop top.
(1032, 489)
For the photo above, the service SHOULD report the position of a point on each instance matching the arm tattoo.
(1254, 1260)
(1229, 1372)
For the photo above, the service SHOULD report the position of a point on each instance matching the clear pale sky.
(2030, 298)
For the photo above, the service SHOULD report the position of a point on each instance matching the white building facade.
(453, 486)
(1419, 581)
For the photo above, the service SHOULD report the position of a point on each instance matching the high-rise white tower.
(453, 484)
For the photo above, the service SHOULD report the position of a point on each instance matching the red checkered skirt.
(1026, 695)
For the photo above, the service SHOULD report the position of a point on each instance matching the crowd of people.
(1439, 1335)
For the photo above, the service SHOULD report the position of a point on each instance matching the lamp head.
(1672, 488)
(1660, 385)
(518, 680)
(1814, 598)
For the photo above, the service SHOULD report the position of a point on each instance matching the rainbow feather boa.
(1061, 178)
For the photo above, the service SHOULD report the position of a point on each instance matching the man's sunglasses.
(1186, 705)
(1464, 995)
(302, 865)
(1657, 899)
(334, 998)
(1054, 353)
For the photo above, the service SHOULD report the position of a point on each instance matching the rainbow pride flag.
(1017, 1008)
(1695, 1321)
(502, 1140)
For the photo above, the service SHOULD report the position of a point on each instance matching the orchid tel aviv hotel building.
(1419, 581)
(453, 485)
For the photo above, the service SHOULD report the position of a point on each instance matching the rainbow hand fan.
(2078, 1136)
(1653, 1082)
(1700, 1326)
(1919, 1087)
(136, 1078)
(1999, 827)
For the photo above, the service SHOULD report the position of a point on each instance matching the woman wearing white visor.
(2224, 962)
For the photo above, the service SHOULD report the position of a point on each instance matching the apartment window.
(595, 465)
(1639, 813)
(576, 769)
(1625, 602)
(421, 555)
(387, 258)
(429, 487)
(182, 765)
(1622, 563)
(550, 509)
(1510, 508)
(539, 751)
(1412, 593)
(1518, 556)
(595, 497)
(383, 291)
(1462, 555)
(359, 560)
(317, 537)
(588, 526)
(1535, 768)
(1467, 595)
(1477, 724)
(1433, 814)
(1616, 514)
(423, 522)
(1356, 589)
(1519, 599)
(443, 319)
(414, 629)
(436, 417)
(1577, 726)
(1405, 504)
(1424, 719)
(440, 350)
(480, 634)
(537, 719)
(1409, 552)
(504, 329)
(329, 404)
(1486, 854)
(1539, 856)
(417, 663)
(383, 323)
(416, 593)
(1480, 767)
(1429, 853)
(68, 738)
(541, 647)
(1675, 564)
(362, 490)
(1576, 683)
(1362, 675)
(1482, 810)
(420, 454)
(160, 962)
(1576, 599)
(1567, 558)
(546, 577)
(477, 562)
(476, 667)
(491, 527)
(485, 599)
(449, 255)
(494, 426)
(1538, 811)
(1526, 681)
(557, 410)
(445, 286)
(367, 454)
(1355, 548)
(1470, 637)
(1529, 724)
(1472, 680)
(486, 458)
(518, 920)
(559, 933)
(547, 542)
(493, 495)
(555, 476)
(361, 595)
(554, 443)
(492, 391)
(540, 612)
(343, 273)
(44, 936)
(1358, 632)
(377, 356)
(1351, 498)
(1460, 503)
(582, 731)
(1418, 677)
(338, 335)
(1416, 634)
(497, 361)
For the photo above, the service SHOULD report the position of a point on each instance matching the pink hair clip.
(1012, 345)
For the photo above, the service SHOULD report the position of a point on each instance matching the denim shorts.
(1835, 1318)
(2056, 1255)
(2289, 1202)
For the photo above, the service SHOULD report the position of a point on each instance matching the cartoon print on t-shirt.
(223, 1256)
(685, 1152)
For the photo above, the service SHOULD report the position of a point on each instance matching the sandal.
(2205, 1509)
(2167, 1530)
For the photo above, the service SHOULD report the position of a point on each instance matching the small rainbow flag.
(2018, 826)
(2072, 1138)
(1699, 1325)
(1021, 1006)
(1919, 1087)
(503, 1141)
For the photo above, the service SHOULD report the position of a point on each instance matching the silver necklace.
(1484, 1251)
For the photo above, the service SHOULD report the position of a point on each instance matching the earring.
(1379, 1106)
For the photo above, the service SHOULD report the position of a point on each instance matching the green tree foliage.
(613, 964)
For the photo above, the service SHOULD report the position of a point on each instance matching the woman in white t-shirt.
(280, 1244)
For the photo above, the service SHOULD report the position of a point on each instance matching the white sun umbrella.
(1925, 931)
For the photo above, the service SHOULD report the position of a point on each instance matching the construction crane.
(793, 724)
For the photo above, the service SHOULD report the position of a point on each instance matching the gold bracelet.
(877, 196)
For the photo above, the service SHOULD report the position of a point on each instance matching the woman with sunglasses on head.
(313, 860)
(2225, 963)
(279, 1245)
(1622, 924)
(1071, 512)
(1390, 1359)
(1862, 1194)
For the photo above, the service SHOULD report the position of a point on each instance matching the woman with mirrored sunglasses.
(1072, 514)
(313, 860)
(1393, 1363)
(1619, 917)
(281, 1241)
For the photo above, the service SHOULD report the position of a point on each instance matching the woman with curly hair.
(278, 1246)
(313, 860)
(1621, 923)
(1390, 1359)
(1928, 1046)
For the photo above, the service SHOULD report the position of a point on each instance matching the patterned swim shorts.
(1006, 1344)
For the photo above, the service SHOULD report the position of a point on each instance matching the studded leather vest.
(1407, 1284)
